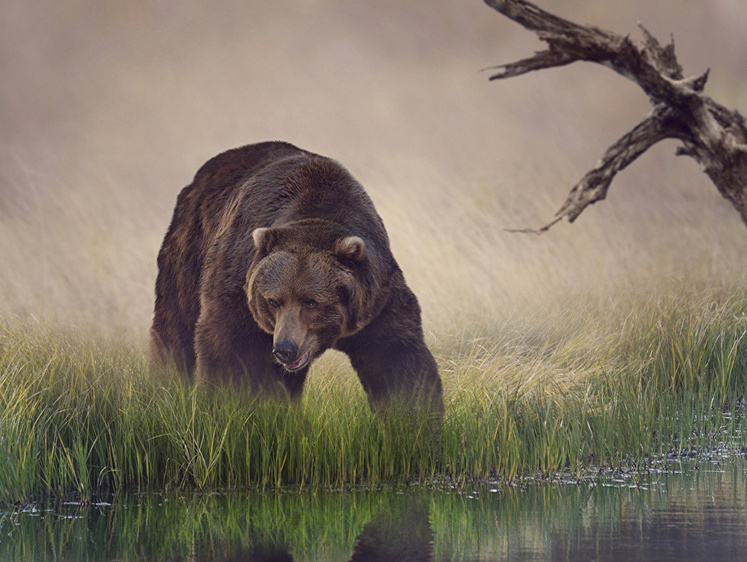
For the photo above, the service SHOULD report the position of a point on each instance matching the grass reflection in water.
(696, 510)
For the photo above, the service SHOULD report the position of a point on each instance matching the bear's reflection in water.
(396, 533)
(403, 534)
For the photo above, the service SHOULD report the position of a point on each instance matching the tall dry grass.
(108, 110)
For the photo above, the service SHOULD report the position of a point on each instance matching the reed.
(605, 382)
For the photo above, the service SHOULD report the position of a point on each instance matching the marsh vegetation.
(632, 378)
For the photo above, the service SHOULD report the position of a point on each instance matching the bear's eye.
(273, 303)
(310, 304)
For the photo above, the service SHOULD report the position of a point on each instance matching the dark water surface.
(691, 511)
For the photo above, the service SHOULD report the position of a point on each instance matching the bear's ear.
(350, 248)
(264, 240)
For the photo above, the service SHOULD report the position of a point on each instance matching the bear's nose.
(285, 351)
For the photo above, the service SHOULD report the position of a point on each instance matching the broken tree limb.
(713, 135)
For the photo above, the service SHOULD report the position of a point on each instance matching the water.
(691, 511)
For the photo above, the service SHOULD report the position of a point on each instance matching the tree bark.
(713, 135)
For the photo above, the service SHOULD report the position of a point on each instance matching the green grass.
(595, 382)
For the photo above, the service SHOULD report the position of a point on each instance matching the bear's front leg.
(400, 372)
(391, 358)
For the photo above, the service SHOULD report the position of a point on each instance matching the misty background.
(107, 109)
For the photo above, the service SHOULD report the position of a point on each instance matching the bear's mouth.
(298, 363)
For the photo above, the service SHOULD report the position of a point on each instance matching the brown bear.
(274, 255)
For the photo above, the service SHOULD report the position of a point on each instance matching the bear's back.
(231, 166)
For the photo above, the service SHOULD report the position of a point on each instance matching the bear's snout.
(291, 343)
(285, 351)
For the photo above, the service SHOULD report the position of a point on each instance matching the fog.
(107, 109)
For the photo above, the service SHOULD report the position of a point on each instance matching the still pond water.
(678, 511)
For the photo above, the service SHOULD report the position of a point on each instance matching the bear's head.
(304, 287)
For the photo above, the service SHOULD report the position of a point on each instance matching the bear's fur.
(274, 255)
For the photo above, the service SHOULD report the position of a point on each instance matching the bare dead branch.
(594, 185)
(713, 135)
(543, 59)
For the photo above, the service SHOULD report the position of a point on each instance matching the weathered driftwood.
(713, 135)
